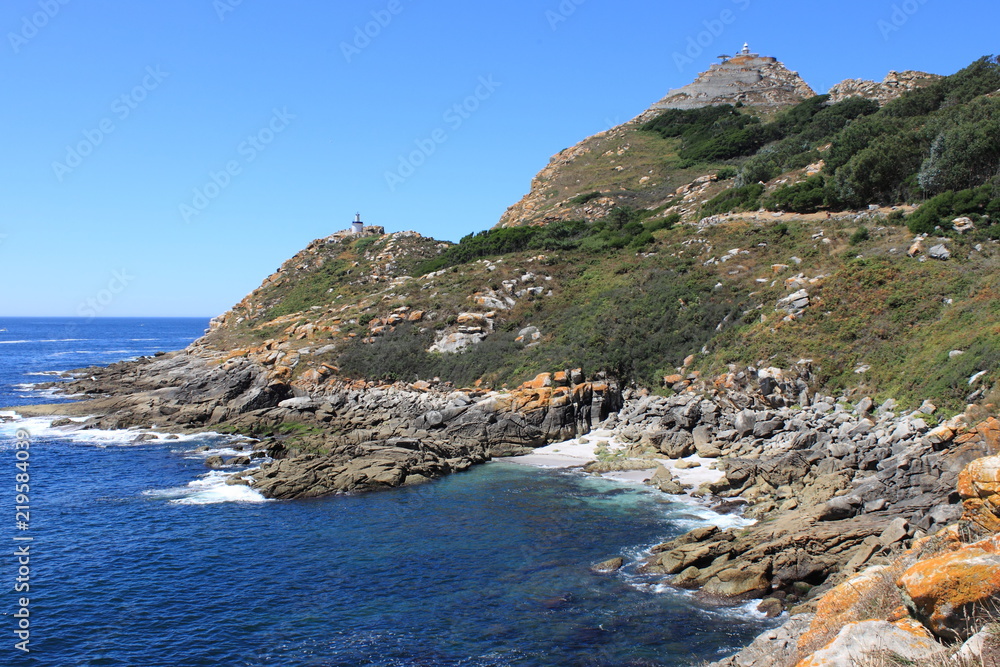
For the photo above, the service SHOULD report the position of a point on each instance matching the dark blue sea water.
(140, 558)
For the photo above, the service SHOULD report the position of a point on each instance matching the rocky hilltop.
(746, 78)
(627, 166)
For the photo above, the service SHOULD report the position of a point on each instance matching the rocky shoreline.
(836, 485)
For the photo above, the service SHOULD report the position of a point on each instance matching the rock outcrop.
(894, 85)
(746, 78)
(944, 589)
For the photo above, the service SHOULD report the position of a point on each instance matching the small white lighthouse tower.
(357, 226)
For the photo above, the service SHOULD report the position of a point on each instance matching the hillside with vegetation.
(821, 232)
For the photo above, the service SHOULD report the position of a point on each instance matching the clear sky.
(162, 158)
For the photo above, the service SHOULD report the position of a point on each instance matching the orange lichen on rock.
(989, 430)
(979, 486)
(914, 627)
(949, 592)
(980, 479)
(541, 380)
(837, 607)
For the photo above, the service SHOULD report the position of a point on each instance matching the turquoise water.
(139, 558)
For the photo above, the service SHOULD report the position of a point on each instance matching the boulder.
(963, 224)
(939, 252)
(979, 487)
(214, 462)
(709, 450)
(677, 444)
(702, 436)
(856, 641)
(841, 507)
(982, 648)
(953, 593)
(300, 404)
(771, 607)
(773, 648)
(897, 531)
(744, 581)
(610, 565)
(745, 422)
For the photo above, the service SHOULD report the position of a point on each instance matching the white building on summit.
(358, 228)
(747, 77)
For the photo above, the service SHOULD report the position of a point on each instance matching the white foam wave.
(745, 611)
(223, 451)
(51, 392)
(210, 489)
(41, 427)
(15, 342)
(47, 373)
(696, 516)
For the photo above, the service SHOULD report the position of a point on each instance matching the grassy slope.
(636, 313)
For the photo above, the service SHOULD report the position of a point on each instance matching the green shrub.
(806, 197)
(723, 132)
(860, 235)
(365, 242)
(941, 210)
(897, 218)
(761, 168)
(726, 173)
(401, 355)
(746, 198)
(579, 200)
(663, 223)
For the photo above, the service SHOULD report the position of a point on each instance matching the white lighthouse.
(357, 226)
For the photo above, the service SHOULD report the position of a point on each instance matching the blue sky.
(161, 159)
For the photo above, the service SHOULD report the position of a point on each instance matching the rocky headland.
(814, 368)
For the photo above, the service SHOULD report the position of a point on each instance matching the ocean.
(138, 555)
